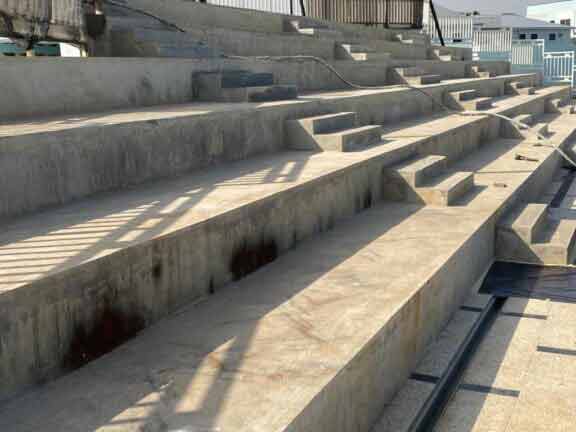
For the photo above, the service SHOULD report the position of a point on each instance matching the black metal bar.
(291, 7)
(438, 29)
(436, 403)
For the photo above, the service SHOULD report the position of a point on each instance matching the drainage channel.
(433, 409)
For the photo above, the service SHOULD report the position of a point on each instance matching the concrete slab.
(476, 412)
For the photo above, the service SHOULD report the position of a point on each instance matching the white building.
(558, 12)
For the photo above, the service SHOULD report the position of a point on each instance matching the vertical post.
(291, 7)
(436, 23)
(303, 7)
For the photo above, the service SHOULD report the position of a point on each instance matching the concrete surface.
(56, 160)
(126, 249)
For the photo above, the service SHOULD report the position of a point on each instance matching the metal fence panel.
(559, 67)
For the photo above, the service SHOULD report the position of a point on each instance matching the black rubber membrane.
(533, 281)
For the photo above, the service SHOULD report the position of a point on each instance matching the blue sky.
(488, 6)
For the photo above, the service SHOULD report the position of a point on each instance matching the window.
(552, 36)
(566, 22)
(534, 36)
(523, 36)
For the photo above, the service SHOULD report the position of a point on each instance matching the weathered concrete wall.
(78, 85)
(43, 169)
(47, 324)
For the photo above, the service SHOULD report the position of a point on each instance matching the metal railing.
(401, 13)
(286, 7)
(454, 28)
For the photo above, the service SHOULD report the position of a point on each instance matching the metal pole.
(291, 7)
(303, 7)
(438, 29)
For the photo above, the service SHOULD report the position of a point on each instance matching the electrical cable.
(515, 123)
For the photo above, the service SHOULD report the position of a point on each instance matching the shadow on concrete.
(81, 231)
(143, 383)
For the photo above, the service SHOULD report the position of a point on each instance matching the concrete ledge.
(141, 254)
(99, 84)
(343, 367)
(57, 160)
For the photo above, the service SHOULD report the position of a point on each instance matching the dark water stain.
(110, 329)
(368, 199)
(248, 259)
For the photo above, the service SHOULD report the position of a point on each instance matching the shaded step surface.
(423, 180)
(331, 132)
(350, 139)
(230, 358)
(521, 173)
(247, 335)
(528, 235)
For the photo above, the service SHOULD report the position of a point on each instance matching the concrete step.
(423, 80)
(529, 236)
(510, 130)
(348, 140)
(557, 246)
(479, 104)
(57, 160)
(371, 56)
(555, 105)
(141, 253)
(527, 222)
(321, 33)
(522, 87)
(468, 101)
(446, 58)
(356, 48)
(541, 128)
(320, 124)
(259, 94)
(411, 71)
(464, 95)
(115, 23)
(446, 190)
(416, 172)
(527, 119)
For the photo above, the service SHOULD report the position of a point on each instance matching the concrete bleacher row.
(170, 260)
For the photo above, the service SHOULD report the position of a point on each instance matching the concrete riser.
(149, 281)
(354, 399)
(146, 282)
(55, 168)
(512, 247)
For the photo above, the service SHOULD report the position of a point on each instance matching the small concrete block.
(527, 222)
(350, 139)
(417, 172)
(447, 190)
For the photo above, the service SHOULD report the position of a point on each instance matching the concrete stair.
(308, 28)
(360, 53)
(510, 130)
(444, 55)
(528, 235)
(332, 132)
(242, 86)
(151, 256)
(425, 181)
(415, 76)
(522, 87)
(557, 105)
(480, 72)
(468, 100)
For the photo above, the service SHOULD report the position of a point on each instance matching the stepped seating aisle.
(228, 348)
